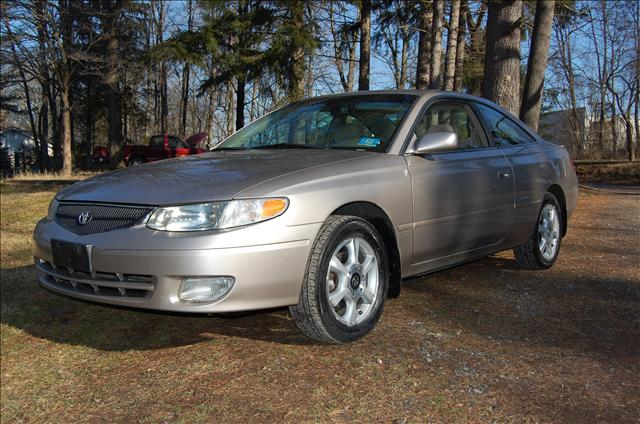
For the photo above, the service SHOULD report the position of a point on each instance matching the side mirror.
(437, 141)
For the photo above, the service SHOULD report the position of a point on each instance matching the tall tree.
(474, 61)
(186, 76)
(537, 63)
(423, 74)
(435, 81)
(502, 54)
(344, 40)
(396, 20)
(111, 32)
(365, 45)
(460, 47)
(452, 46)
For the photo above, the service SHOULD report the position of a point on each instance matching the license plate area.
(72, 255)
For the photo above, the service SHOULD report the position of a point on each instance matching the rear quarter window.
(504, 130)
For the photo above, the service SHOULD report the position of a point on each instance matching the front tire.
(345, 284)
(543, 247)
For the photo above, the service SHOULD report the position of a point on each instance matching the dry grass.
(610, 173)
(51, 176)
(482, 342)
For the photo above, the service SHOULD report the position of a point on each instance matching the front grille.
(103, 217)
(97, 283)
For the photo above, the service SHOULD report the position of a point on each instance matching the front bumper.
(143, 268)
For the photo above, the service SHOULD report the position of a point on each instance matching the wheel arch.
(377, 217)
(558, 192)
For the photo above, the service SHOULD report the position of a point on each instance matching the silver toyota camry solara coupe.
(324, 206)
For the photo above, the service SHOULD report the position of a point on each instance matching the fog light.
(204, 289)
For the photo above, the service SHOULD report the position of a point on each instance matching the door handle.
(504, 174)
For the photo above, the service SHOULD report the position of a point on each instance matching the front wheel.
(543, 247)
(345, 282)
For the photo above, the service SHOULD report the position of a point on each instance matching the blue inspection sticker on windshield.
(369, 141)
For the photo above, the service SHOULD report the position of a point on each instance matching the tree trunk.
(636, 122)
(475, 62)
(67, 156)
(436, 45)
(424, 46)
(460, 47)
(111, 81)
(537, 64)
(89, 122)
(502, 55)
(43, 126)
(186, 75)
(614, 128)
(365, 45)
(230, 108)
(452, 46)
(296, 77)
(629, 132)
(240, 99)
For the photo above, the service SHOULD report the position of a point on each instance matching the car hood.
(217, 175)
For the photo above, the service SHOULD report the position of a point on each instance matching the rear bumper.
(142, 268)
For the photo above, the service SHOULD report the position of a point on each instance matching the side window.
(176, 143)
(156, 141)
(451, 117)
(504, 131)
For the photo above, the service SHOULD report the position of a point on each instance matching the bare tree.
(394, 38)
(460, 47)
(186, 76)
(344, 40)
(423, 74)
(502, 55)
(537, 63)
(452, 46)
(435, 80)
(365, 45)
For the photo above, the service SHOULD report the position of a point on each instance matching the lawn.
(482, 342)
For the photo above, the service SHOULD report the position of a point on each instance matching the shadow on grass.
(582, 315)
(588, 315)
(28, 307)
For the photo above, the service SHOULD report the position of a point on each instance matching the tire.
(135, 161)
(536, 254)
(350, 284)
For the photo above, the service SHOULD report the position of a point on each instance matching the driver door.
(463, 198)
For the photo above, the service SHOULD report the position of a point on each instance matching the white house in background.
(16, 139)
(556, 127)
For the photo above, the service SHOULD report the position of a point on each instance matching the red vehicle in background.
(159, 147)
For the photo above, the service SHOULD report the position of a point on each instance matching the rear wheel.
(543, 247)
(345, 283)
(136, 160)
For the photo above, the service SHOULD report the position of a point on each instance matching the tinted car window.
(176, 142)
(505, 132)
(455, 118)
(156, 141)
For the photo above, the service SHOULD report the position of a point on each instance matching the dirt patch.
(483, 342)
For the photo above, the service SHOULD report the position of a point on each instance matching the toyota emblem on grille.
(84, 218)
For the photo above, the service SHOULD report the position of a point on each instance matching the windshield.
(357, 123)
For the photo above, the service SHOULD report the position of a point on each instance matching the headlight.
(216, 215)
(53, 207)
